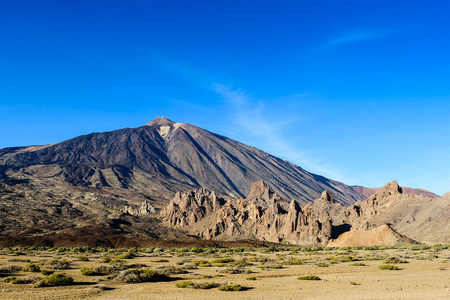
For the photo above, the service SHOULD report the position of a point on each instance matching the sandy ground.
(425, 276)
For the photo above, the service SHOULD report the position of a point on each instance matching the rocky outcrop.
(145, 209)
(265, 216)
(382, 235)
(367, 192)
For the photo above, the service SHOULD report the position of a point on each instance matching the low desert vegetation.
(388, 267)
(31, 267)
(199, 268)
(230, 287)
(55, 280)
(309, 277)
(358, 265)
(394, 260)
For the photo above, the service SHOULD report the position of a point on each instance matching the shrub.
(47, 272)
(204, 285)
(358, 265)
(196, 250)
(9, 269)
(126, 255)
(83, 258)
(293, 261)
(55, 280)
(184, 284)
(323, 265)
(270, 265)
(348, 258)
(88, 272)
(387, 267)
(31, 268)
(57, 264)
(141, 275)
(117, 261)
(170, 270)
(222, 261)
(18, 260)
(353, 283)
(230, 287)
(25, 280)
(309, 277)
(394, 260)
(233, 270)
(106, 259)
(251, 278)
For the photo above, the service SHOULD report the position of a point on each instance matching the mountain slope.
(164, 157)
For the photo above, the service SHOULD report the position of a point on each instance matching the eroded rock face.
(263, 216)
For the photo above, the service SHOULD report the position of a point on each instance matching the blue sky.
(358, 91)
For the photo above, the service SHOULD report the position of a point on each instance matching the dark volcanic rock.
(164, 157)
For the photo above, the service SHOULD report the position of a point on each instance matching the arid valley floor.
(423, 272)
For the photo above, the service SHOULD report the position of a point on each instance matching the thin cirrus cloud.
(251, 116)
(353, 37)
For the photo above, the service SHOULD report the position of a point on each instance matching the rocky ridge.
(265, 216)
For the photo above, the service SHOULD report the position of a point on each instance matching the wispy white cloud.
(254, 118)
(353, 37)
(257, 119)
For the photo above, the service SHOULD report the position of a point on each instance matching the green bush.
(140, 275)
(196, 250)
(57, 264)
(251, 278)
(230, 287)
(222, 261)
(309, 277)
(358, 265)
(126, 255)
(106, 259)
(348, 258)
(388, 267)
(83, 258)
(394, 260)
(55, 280)
(184, 284)
(25, 280)
(88, 271)
(47, 272)
(31, 267)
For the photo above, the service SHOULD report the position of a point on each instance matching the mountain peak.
(160, 121)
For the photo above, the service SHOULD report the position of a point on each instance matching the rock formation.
(145, 209)
(382, 235)
(262, 215)
(265, 216)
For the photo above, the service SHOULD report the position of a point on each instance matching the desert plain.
(405, 272)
